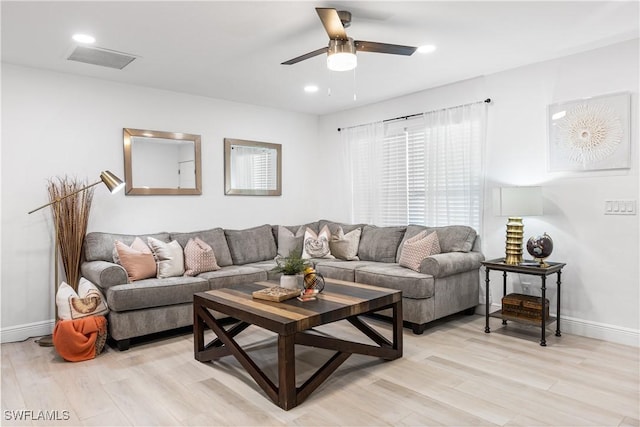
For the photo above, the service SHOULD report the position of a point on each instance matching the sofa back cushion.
(214, 238)
(251, 245)
(456, 238)
(99, 246)
(293, 229)
(334, 226)
(289, 233)
(452, 238)
(380, 243)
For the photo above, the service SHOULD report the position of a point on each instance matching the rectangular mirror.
(252, 168)
(161, 163)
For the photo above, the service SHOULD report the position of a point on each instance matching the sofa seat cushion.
(266, 266)
(233, 275)
(340, 270)
(387, 275)
(154, 292)
(263, 265)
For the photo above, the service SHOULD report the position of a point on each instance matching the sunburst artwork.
(590, 134)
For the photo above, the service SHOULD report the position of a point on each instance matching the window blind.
(425, 170)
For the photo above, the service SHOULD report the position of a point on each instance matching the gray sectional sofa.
(447, 283)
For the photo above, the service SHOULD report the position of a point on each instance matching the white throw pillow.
(316, 245)
(63, 297)
(169, 257)
(88, 301)
(418, 248)
(345, 246)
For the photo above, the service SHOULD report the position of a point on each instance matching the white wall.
(600, 292)
(56, 124)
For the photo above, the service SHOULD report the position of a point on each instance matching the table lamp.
(515, 203)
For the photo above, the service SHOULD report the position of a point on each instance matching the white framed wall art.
(590, 134)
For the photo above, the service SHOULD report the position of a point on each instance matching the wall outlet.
(620, 207)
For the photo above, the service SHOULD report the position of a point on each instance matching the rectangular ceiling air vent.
(101, 57)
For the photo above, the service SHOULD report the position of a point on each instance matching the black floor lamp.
(114, 184)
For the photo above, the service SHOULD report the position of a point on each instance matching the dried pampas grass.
(71, 215)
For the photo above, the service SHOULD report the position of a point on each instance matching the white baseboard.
(587, 328)
(23, 332)
(570, 325)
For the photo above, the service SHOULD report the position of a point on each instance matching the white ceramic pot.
(289, 281)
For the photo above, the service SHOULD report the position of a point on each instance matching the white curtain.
(454, 174)
(422, 170)
(363, 151)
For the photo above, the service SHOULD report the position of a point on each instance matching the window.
(424, 170)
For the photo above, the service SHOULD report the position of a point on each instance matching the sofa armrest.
(104, 274)
(449, 263)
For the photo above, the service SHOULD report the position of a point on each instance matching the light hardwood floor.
(454, 375)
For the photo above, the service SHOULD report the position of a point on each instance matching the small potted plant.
(290, 267)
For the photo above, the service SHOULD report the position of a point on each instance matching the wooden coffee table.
(293, 321)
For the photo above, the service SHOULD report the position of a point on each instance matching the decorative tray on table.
(276, 293)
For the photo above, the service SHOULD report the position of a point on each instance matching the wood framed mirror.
(161, 163)
(252, 168)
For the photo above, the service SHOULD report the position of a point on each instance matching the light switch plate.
(620, 207)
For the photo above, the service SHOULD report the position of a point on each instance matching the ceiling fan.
(341, 51)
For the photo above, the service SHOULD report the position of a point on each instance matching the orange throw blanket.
(80, 339)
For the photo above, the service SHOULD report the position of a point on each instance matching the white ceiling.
(233, 50)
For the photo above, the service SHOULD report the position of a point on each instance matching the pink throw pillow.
(199, 257)
(139, 265)
(418, 248)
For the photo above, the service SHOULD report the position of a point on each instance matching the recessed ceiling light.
(427, 48)
(84, 38)
(311, 88)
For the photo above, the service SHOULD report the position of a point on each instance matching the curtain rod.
(487, 101)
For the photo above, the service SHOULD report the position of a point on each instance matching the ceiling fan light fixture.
(341, 55)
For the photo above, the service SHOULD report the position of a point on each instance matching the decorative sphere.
(314, 280)
(540, 247)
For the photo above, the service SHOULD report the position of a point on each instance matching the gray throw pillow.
(288, 242)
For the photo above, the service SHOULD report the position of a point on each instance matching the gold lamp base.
(515, 231)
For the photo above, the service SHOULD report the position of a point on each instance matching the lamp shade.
(341, 55)
(113, 183)
(520, 201)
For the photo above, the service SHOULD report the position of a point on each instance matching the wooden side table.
(531, 268)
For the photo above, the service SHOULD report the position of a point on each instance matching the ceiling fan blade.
(394, 49)
(305, 56)
(332, 23)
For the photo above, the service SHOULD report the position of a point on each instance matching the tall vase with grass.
(71, 208)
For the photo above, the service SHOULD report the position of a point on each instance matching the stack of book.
(308, 295)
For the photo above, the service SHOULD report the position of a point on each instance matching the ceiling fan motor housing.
(345, 18)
